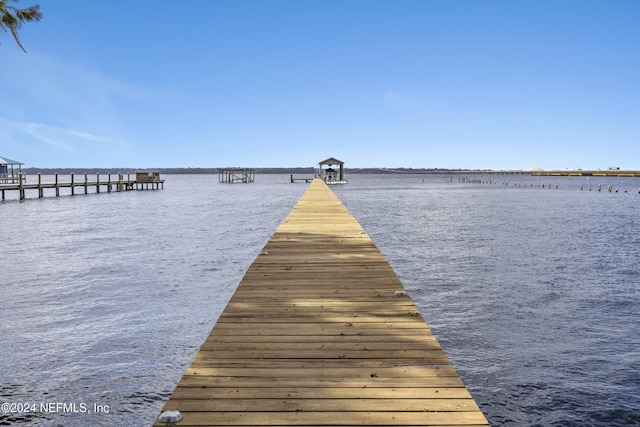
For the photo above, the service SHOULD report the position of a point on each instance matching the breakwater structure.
(320, 332)
(535, 172)
(606, 173)
(141, 181)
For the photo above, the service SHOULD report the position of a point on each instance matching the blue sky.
(399, 83)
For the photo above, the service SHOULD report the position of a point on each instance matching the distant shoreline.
(310, 171)
(214, 171)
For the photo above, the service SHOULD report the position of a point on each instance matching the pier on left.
(82, 184)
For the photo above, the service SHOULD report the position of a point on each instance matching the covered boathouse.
(328, 174)
(8, 174)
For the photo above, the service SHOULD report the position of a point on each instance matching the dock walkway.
(316, 335)
(142, 181)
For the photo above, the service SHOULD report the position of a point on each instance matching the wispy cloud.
(65, 104)
(61, 138)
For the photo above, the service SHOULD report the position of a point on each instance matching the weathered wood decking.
(315, 336)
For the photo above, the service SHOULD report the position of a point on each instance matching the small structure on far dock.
(8, 174)
(328, 174)
(144, 179)
(231, 175)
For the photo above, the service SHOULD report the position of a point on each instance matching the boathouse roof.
(332, 161)
(6, 161)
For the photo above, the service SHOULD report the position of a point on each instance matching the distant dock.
(576, 172)
(232, 175)
(535, 172)
(141, 181)
(321, 332)
(307, 179)
(606, 173)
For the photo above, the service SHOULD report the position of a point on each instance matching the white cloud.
(58, 137)
(63, 104)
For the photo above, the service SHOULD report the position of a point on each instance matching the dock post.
(40, 186)
(57, 186)
(73, 186)
(85, 183)
(97, 183)
(109, 183)
(21, 188)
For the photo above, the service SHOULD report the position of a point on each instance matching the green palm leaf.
(12, 18)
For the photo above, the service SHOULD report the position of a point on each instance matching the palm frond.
(12, 18)
(30, 14)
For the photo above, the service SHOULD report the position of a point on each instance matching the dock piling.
(231, 175)
(21, 189)
(142, 181)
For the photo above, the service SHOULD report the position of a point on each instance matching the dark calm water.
(533, 292)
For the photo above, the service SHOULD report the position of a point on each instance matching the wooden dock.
(601, 173)
(142, 181)
(320, 332)
(306, 179)
(232, 175)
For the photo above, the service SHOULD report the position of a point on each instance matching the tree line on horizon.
(309, 171)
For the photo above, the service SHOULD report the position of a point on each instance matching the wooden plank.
(333, 418)
(319, 345)
(329, 372)
(185, 393)
(315, 365)
(317, 382)
(330, 404)
(315, 335)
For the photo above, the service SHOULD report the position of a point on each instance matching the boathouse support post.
(21, 187)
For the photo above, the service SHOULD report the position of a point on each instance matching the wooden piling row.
(121, 184)
(232, 175)
(320, 332)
